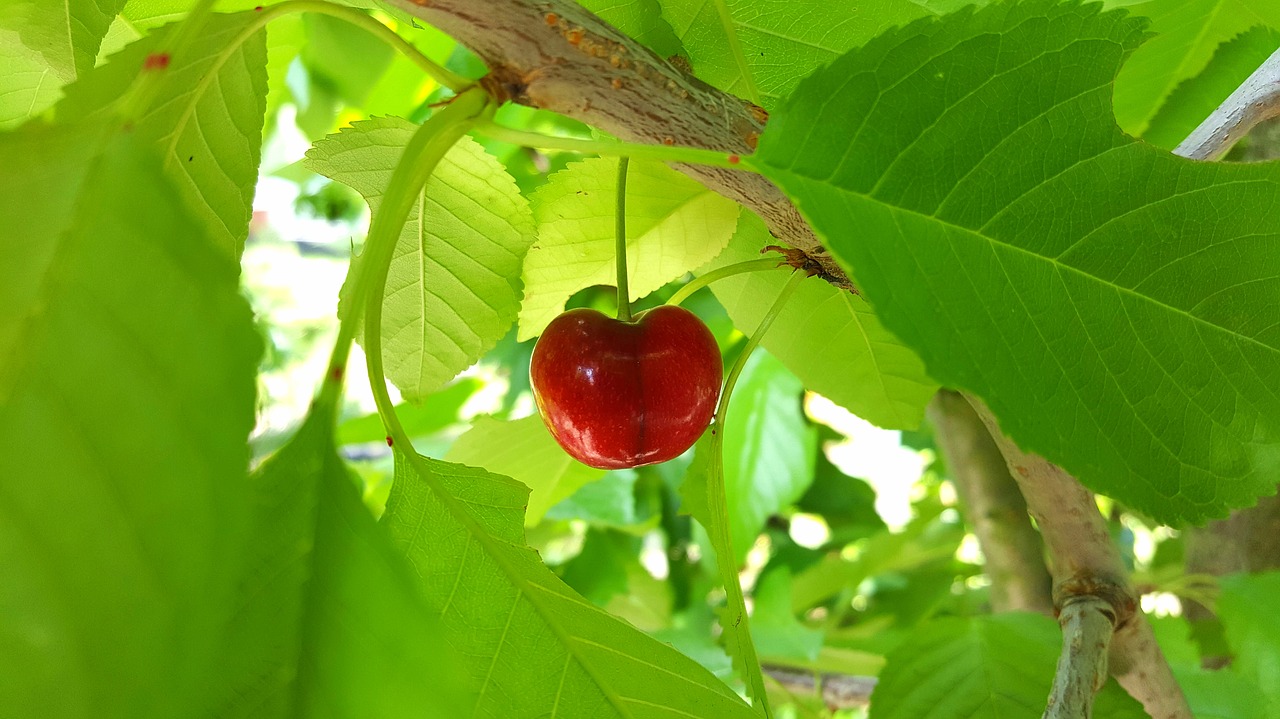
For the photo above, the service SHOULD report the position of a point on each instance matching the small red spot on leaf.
(156, 61)
(733, 159)
(335, 373)
(389, 442)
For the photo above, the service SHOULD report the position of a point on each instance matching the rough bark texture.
(556, 55)
(1082, 667)
(993, 506)
(1085, 564)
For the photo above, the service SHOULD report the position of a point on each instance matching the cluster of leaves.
(966, 169)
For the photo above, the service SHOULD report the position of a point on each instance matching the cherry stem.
(718, 509)
(738, 268)
(620, 243)
(754, 341)
(635, 151)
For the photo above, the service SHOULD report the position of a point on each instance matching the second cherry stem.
(620, 243)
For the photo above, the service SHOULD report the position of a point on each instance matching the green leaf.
(452, 291)
(1223, 694)
(674, 224)
(533, 646)
(778, 633)
(769, 448)
(641, 20)
(127, 392)
(28, 86)
(524, 450)
(438, 411)
(344, 59)
(206, 120)
(1093, 292)
(1195, 99)
(831, 339)
(1253, 628)
(993, 667)
(66, 35)
(1186, 35)
(330, 622)
(610, 500)
(759, 49)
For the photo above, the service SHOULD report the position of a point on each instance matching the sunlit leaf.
(641, 20)
(206, 120)
(1192, 101)
(674, 225)
(777, 631)
(453, 289)
(829, 337)
(438, 411)
(1186, 33)
(28, 86)
(524, 450)
(66, 35)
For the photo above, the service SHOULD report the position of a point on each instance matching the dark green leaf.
(994, 667)
(1093, 291)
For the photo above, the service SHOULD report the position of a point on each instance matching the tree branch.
(993, 507)
(1256, 100)
(556, 55)
(839, 691)
(1086, 566)
(1087, 627)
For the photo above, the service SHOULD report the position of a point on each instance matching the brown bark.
(556, 55)
(993, 506)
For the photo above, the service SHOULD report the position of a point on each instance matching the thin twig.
(1256, 100)
(1087, 627)
(1086, 564)
(839, 691)
(993, 506)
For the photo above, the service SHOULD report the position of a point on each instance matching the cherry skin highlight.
(624, 394)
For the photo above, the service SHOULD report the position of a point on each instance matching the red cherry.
(624, 394)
